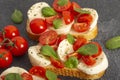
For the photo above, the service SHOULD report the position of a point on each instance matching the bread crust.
(88, 35)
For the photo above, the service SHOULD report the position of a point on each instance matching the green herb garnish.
(70, 39)
(51, 75)
(81, 11)
(62, 2)
(13, 76)
(57, 23)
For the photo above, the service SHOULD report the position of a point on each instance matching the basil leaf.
(62, 2)
(57, 23)
(17, 16)
(48, 11)
(81, 11)
(72, 62)
(88, 49)
(51, 75)
(48, 51)
(113, 43)
(13, 76)
(70, 39)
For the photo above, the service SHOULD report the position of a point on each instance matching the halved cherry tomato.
(5, 58)
(48, 37)
(38, 25)
(59, 8)
(88, 60)
(85, 18)
(99, 50)
(11, 31)
(73, 6)
(80, 27)
(78, 43)
(38, 71)
(19, 47)
(75, 54)
(56, 63)
(60, 38)
(67, 16)
(26, 76)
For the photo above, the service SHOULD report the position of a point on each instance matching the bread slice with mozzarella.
(35, 12)
(82, 70)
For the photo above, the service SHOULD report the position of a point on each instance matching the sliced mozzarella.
(37, 78)
(35, 10)
(64, 29)
(101, 65)
(64, 48)
(36, 58)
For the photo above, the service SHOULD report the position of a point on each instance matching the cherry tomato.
(11, 31)
(59, 8)
(67, 16)
(99, 50)
(73, 6)
(60, 38)
(87, 18)
(20, 46)
(75, 54)
(80, 27)
(56, 63)
(38, 25)
(1, 44)
(78, 43)
(38, 71)
(5, 58)
(48, 37)
(26, 76)
(88, 60)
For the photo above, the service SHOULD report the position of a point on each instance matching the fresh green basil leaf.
(62, 2)
(57, 23)
(88, 49)
(51, 75)
(13, 76)
(70, 39)
(48, 51)
(17, 16)
(72, 62)
(48, 11)
(113, 43)
(81, 11)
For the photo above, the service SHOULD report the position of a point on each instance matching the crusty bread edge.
(88, 35)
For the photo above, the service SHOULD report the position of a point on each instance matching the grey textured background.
(108, 23)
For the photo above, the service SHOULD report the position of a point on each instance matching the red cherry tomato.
(67, 16)
(85, 18)
(59, 8)
(38, 71)
(48, 37)
(56, 63)
(5, 58)
(78, 43)
(20, 46)
(38, 25)
(60, 38)
(11, 31)
(88, 60)
(99, 50)
(80, 27)
(73, 6)
(26, 76)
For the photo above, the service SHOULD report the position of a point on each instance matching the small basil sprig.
(48, 51)
(88, 49)
(70, 39)
(113, 43)
(13, 76)
(81, 11)
(72, 62)
(17, 16)
(57, 23)
(62, 2)
(48, 11)
(51, 75)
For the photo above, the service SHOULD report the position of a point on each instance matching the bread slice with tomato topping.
(74, 20)
(70, 56)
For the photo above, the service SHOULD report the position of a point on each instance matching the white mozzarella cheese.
(36, 58)
(64, 48)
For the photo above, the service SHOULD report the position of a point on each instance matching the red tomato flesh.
(26, 76)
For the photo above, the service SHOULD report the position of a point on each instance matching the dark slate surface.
(108, 23)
